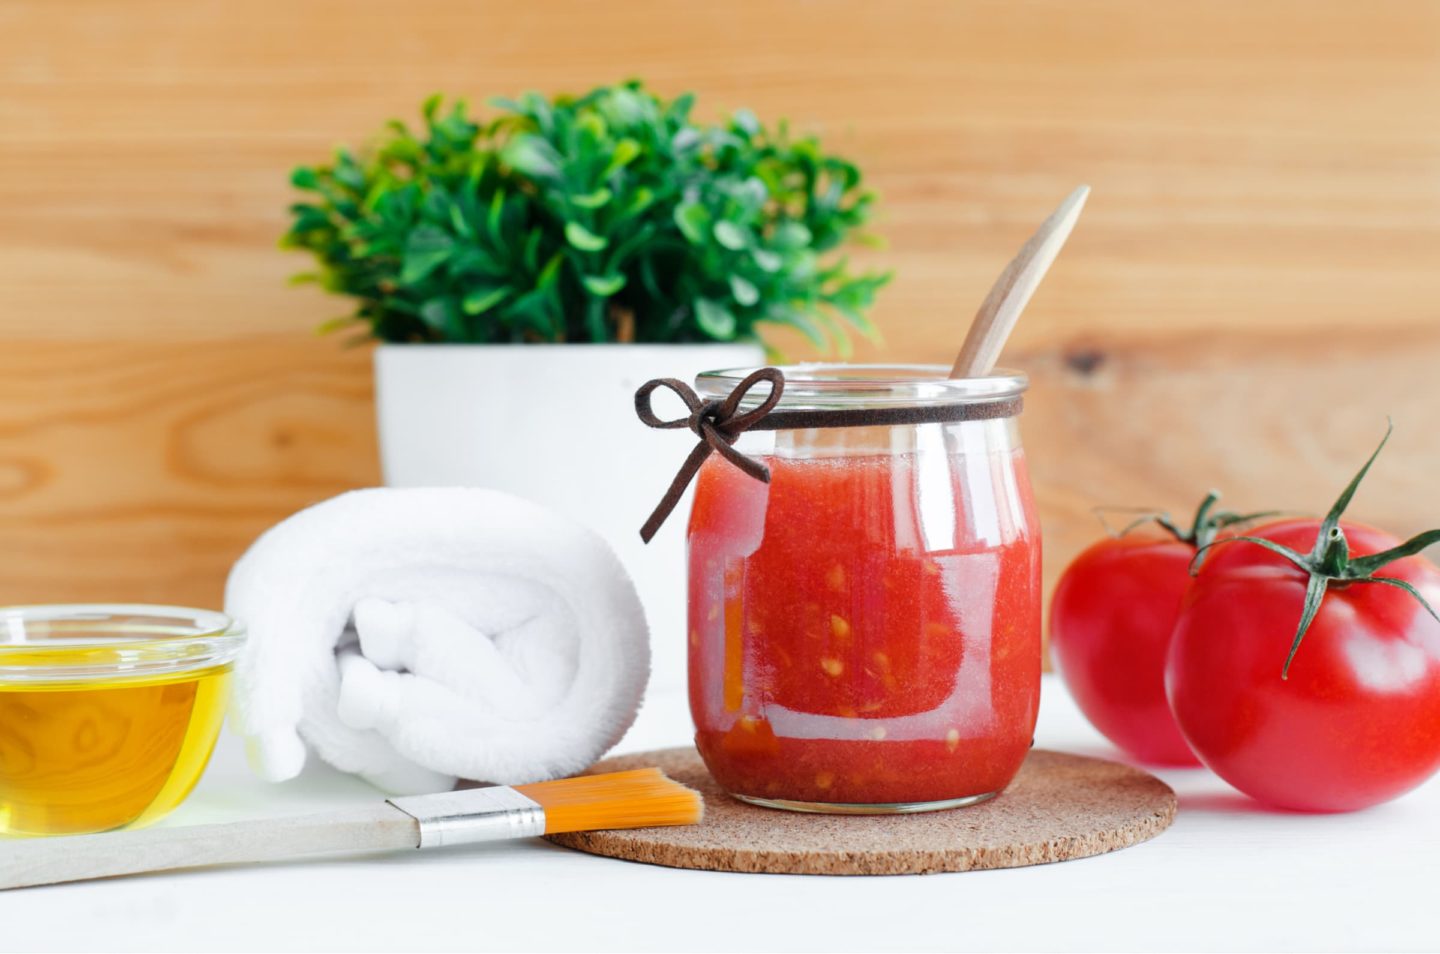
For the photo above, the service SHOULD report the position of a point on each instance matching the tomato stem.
(1334, 553)
(1201, 527)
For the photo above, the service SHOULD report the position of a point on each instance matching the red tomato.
(1356, 721)
(1110, 623)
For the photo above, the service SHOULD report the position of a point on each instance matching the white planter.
(556, 424)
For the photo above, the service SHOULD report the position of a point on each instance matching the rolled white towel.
(419, 636)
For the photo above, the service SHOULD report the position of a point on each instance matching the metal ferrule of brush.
(473, 815)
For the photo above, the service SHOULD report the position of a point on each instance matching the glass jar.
(865, 627)
(108, 714)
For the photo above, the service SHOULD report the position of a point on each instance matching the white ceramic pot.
(556, 424)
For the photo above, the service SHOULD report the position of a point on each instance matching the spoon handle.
(1012, 290)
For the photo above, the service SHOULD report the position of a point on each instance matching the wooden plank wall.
(1256, 282)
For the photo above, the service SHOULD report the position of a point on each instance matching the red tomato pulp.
(865, 629)
(1357, 721)
(1110, 624)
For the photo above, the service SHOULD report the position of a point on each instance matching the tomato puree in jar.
(865, 629)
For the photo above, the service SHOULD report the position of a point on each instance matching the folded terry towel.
(418, 636)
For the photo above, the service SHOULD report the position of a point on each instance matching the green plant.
(606, 217)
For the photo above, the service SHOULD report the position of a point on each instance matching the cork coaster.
(1059, 807)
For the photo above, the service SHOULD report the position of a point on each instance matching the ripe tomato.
(1305, 665)
(1110, 623)
(1356, 722)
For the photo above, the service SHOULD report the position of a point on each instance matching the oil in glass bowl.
(108, 714)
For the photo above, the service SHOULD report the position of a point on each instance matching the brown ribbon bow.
(717, 423)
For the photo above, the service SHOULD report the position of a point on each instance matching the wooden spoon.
(1012, 290)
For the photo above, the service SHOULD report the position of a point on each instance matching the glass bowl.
(108, 713)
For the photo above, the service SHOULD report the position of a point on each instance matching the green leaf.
(550, 274)
(303, 177)
(626, 152)
(427, 249)
(530, 251)
(395, 208)
(480, 300)
(715, 319)
(767, 260)
(649, 280)
(535, 310)
(857, 320)
(461, 224)
(624, 108)
(730, 235)
(686, 140)
(792, 235)
(348, 173)
(584, 239)
(591, 131)
(842, 341)
(440, 315)
(532, 156)
(603, 285)
(692, 220)
(640, 200)
(746, 122)
(592, 200)
(475, 261)
(308, 218)
(332, 325)
(795, 318)
(678, 112)
(495, 217)
(743, 291)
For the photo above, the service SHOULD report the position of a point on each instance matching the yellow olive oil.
(81, 757)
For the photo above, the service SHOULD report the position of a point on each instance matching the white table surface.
(1226, 876)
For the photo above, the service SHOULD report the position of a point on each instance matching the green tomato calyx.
(1329, 562)
(1204, 527)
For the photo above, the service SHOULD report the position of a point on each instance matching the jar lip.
(112, 641)
(820, 384)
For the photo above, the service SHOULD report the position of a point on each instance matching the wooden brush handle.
(37, 861)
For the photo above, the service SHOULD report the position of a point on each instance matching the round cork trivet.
(1059, 807)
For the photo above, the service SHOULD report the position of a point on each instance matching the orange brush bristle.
(640, 798)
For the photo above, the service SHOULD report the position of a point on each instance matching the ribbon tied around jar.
(717, 423)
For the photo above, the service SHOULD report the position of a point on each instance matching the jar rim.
(835, 385)
(66, 642)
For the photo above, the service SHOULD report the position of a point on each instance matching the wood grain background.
(1255, 285)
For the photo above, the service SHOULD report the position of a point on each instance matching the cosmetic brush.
(641, 798)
